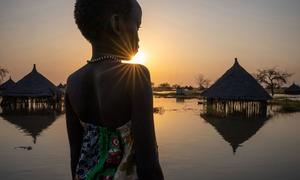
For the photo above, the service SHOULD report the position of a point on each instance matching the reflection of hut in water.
(180, 100)
(32, 91)
(7, 84)
(236, 131)
(236, 92)
(32, 124)
(293, 89)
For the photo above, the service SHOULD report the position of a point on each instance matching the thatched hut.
(62, 88)
(293, 89)
(236, 92)
(181, 91)
(7, 84)
(33, 89)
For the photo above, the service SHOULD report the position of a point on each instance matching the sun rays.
(139, 58)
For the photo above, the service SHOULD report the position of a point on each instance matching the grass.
(286, 105)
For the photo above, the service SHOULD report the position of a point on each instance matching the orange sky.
(179, 38)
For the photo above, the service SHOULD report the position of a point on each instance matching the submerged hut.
(293, 89)
(181, 91)
(33, 90)
(7, 84)
(62, 88)
(236, 92)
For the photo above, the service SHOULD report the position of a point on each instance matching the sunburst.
(139, 58)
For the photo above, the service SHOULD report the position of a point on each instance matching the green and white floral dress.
(106, 154)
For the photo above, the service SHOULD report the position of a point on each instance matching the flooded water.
(191, 146)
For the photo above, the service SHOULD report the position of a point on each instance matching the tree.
(272, 78)
(152, 84)
(174, 86)
(3, 73)
(202, 82)
(164, 85)
(189, 87)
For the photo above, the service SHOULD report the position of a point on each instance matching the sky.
(180, 39)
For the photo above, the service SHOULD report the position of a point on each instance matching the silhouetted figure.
(109, 105)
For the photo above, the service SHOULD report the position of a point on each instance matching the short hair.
(92, 16)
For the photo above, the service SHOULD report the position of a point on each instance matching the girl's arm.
(146, 152)
(75, 134)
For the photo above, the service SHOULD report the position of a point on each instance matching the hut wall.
(10, 104)
(223, 108)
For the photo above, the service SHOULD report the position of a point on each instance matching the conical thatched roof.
(33, 84)
(237, 84)
(293, 89)
(7, 84)
(60, 85)
(236, 131)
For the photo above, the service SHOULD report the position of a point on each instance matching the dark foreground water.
(190, 146)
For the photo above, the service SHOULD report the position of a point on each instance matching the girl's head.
(111, 25)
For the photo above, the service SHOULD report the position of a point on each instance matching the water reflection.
(236, 130)
(32, 124)
(180, 100)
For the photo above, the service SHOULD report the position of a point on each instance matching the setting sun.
(139, 58)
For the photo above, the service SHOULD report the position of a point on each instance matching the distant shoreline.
(173, 94)
(288, 103)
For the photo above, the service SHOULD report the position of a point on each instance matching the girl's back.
(100, 93)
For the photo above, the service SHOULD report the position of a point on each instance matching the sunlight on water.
(190, 146)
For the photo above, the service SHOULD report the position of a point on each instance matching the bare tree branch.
(272, 77)
(202, 82)
(3, 73)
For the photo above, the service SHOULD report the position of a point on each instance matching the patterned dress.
(106, 154)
